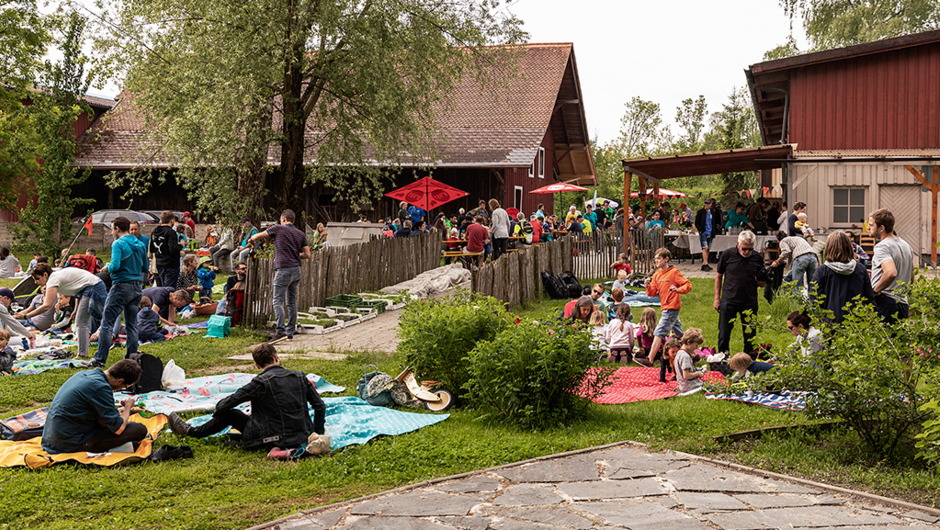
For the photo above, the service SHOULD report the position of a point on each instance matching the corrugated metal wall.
(885, 185)
(884, 101)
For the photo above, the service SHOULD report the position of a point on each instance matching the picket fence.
(339, 270)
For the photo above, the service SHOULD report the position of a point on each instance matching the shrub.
(530, 373)
(438, 333)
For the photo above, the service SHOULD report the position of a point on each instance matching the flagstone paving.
(618, 487)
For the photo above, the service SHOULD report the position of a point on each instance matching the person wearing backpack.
(279, 399)
(82, 416)
(165, 245)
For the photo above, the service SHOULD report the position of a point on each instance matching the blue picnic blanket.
(350, 421)
(784, 400)
(35, 366)
(202, 393)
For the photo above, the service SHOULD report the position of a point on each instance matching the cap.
(245, 220)
(187, 214)
(204, 259)
(709, 200)
(6, 291)
(681, 205)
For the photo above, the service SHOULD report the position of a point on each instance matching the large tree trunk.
(290, 191)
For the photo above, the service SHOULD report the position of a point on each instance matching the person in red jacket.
(668, 283)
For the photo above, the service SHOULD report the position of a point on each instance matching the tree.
(837, 23)
(642, 132)
(691, 119)
(55, 109)
(734, 127)
(355, 85)
(23, 40)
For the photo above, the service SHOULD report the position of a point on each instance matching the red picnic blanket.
(636, 383)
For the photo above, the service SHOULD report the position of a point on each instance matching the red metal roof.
(709, 163)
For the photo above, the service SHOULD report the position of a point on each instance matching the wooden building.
(501, 143)
(864, 125)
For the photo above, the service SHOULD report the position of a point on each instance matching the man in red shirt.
(477, 235)
(536, 229)
(188, 219)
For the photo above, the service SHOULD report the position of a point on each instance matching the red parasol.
(663, 193)
(558, 188)
(427, 193)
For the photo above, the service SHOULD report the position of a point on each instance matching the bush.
(530, 373)
(438, 333)
(868, 374)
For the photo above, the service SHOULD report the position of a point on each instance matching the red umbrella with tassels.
(427, 193)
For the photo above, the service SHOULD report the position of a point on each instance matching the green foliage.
(55, 110)
(437, 334)
(928, 441)
(867, 374)
(530, 373)
(838, 23)
(734, 127)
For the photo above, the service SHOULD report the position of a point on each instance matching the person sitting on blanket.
(574, 293)
(148, 323)
(744, 366)
(7, 354)
(82, 416)
(279, 399)
(616, 296)
(687, 375)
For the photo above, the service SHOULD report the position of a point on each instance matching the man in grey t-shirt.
(892, 264)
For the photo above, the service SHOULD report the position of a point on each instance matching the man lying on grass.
(279, 399)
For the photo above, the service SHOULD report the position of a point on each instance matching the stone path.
(611, 487)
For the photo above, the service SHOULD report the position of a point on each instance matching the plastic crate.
(344, 300)
(377, 306)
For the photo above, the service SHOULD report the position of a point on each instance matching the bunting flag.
(88, 225)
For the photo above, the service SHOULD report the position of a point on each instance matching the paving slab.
(417, 504)
(322, 521)
(630, 463)
(703, 477)
(470, 485)
(612, 489)
(642, 515)
(804, 516)
(709, 502)
(776, 501)
(466, 523)
(527, 495)
(513, 524)
(554, 516)
(393, 523)
(572, 469)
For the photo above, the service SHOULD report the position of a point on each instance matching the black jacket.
(716, 221)
(165, 245)
(839, 289)
(279, 416)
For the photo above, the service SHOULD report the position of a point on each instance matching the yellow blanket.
(31, 454)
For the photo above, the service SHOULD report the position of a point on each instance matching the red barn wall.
(884, 101)
(513, 177)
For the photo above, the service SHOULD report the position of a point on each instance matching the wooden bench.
(458, 254)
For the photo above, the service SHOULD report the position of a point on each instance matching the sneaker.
(95, 363)
(177, 424)
(706, 268)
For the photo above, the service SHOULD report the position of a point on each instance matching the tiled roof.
(496, 127)
(869, 153)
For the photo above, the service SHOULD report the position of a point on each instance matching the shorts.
(669, 321)
(705, 240)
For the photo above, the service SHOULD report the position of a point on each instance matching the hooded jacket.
(662, 280)
(841, 282)
(128, 258)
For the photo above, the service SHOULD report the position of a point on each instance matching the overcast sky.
(662, 51)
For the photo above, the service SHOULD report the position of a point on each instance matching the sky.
(662, 51)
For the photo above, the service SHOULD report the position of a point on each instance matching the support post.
(642, 194)
(627, 184)
(656, 194)
(934, 186)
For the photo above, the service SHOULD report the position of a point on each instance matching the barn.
(525, 132)
(864, 126)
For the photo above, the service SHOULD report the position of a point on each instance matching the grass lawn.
(226, 488)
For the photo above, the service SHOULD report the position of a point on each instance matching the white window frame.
(541, 161)
(519, 192)
(850, 205)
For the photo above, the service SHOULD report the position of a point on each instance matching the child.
(148, 322)
(7, 355)
(620, 335)
(32, 263)
(598, 324)
(668, 283)
(620, 265)
(206, 276)
(688, 377)
(616, 296)
(744, 366)
(804, 226)
(621, 281)
(644, 333)
(63, 313)
(670, 350)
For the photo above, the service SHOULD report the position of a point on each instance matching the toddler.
(616, 297)
(670, 350)
(620, 334)
(598, 322)
(148, 322)
(63, 313)
(621, 281)
(744, 366)
(621, 265)
(7, 354)
(687, 375)
(644, 332)
(804, 226)
(206, 276)
(36, 256)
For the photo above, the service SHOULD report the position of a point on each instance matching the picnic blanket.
(203, 393)
(637, 383)
(350, 421)
(30, 453)
(783, 400)
(35, 366)
(198, 325)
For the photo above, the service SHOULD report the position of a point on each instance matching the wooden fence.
(347, 269)
(516, 277)
(593, 253)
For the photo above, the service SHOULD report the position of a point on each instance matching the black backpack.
(569, 279)
(553, 286)
(151, 376)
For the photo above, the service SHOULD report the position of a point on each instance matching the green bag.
(219, 326)
(379, 399)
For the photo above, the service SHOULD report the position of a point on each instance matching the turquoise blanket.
(350, 421)
(35, 366)
(202, 393)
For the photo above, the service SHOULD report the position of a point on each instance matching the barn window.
(517, 197)
(538, 165)
(848, 205)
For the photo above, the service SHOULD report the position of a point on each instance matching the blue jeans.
(286, 281)
(124, 297)
(91, 301)
(169, 277)
(805, 263)
(668, 321)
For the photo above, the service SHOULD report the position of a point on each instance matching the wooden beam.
(656, 194)
(642, 194)
(627, 184)
(934, 187)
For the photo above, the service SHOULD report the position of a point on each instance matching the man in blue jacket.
(128, 255)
